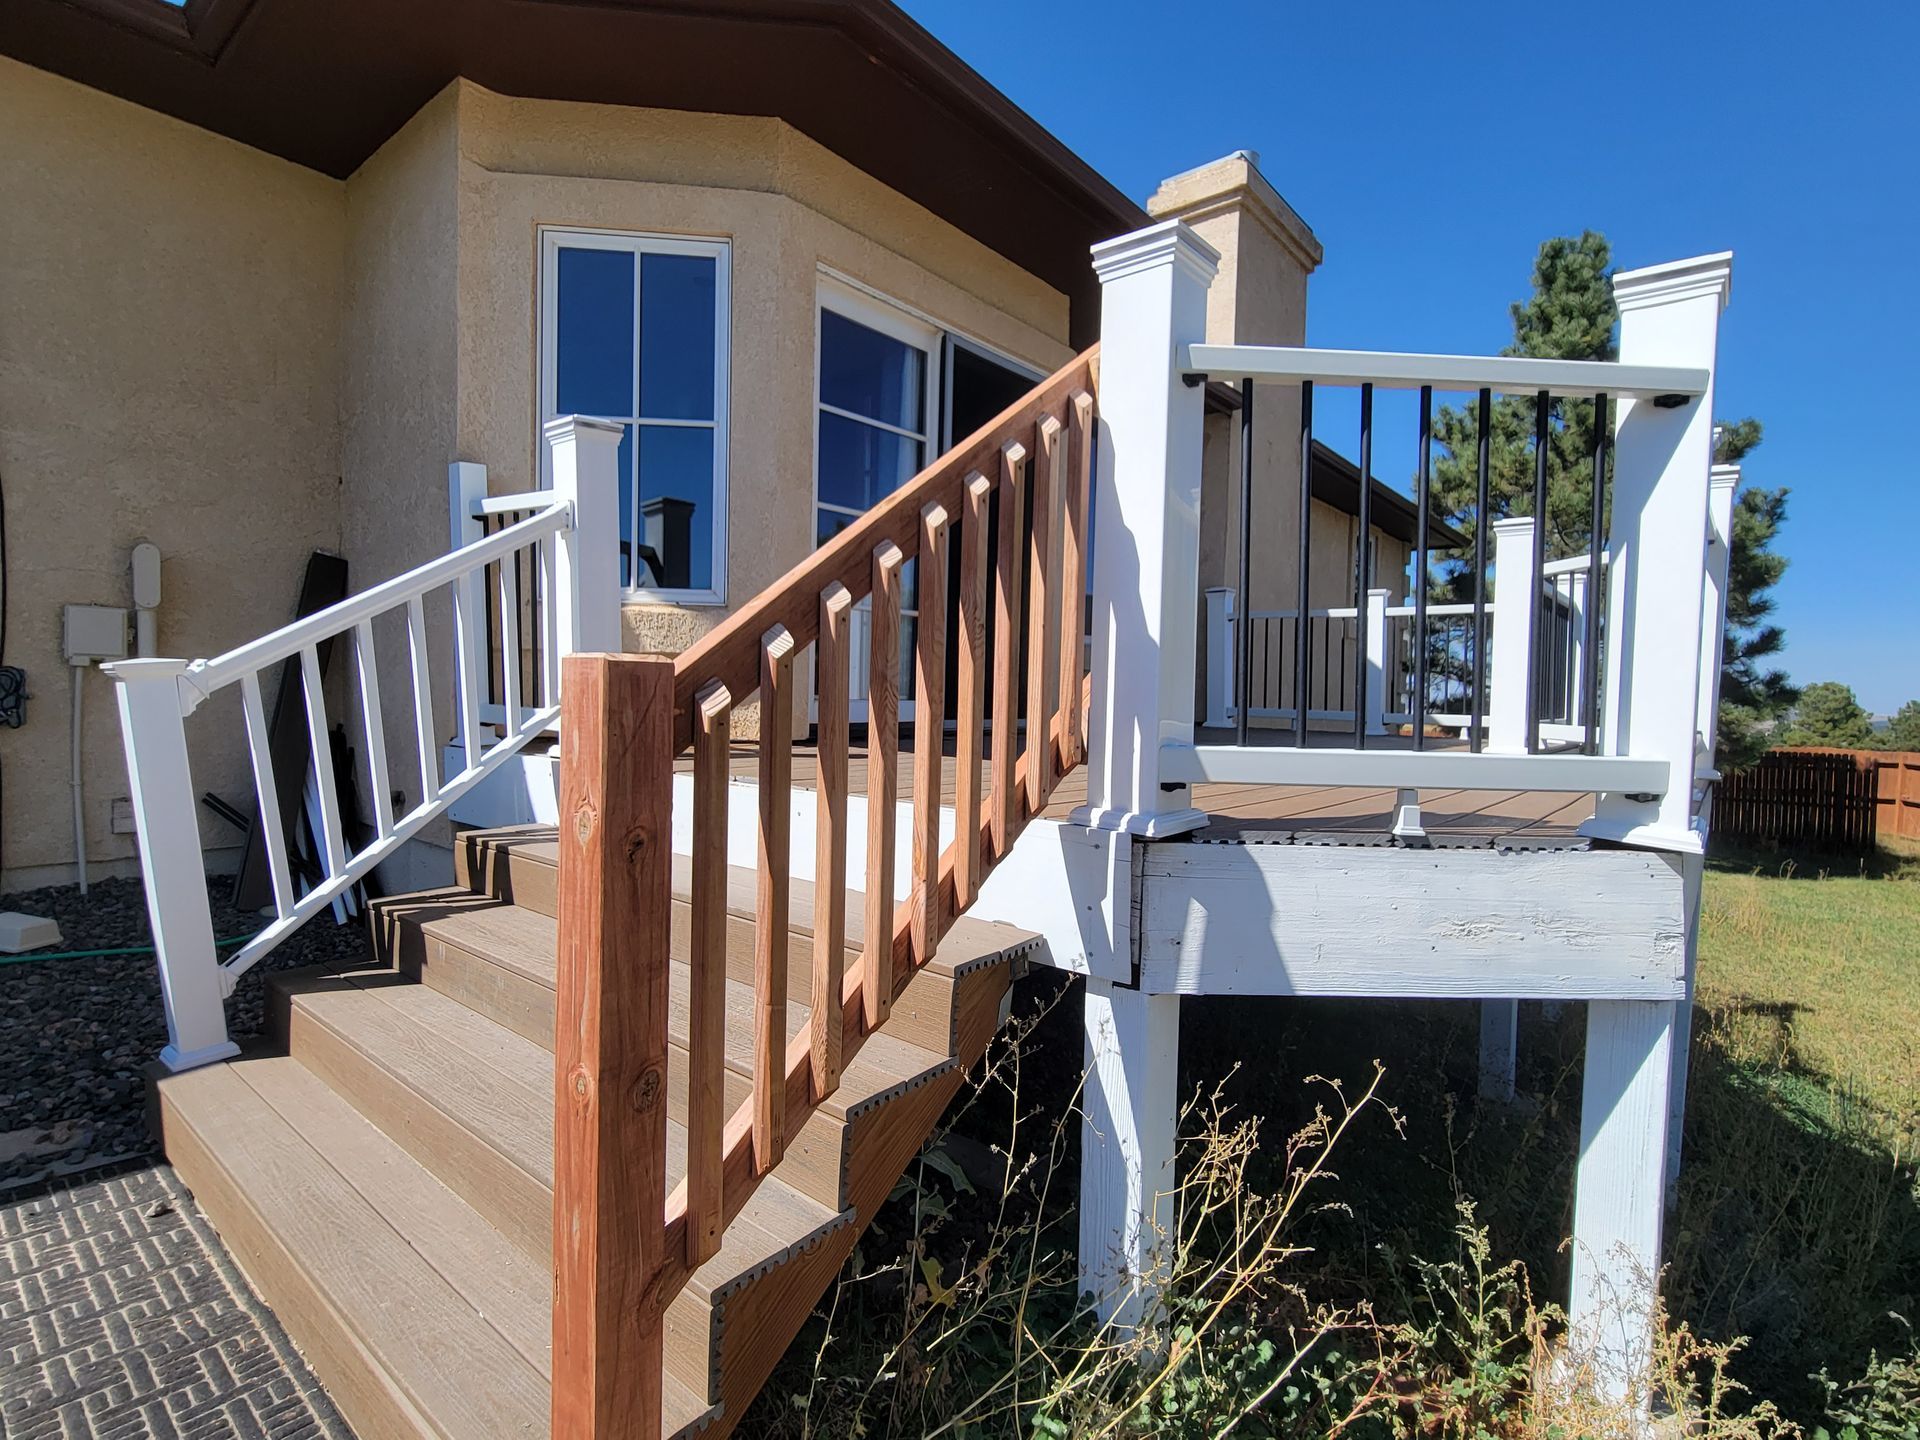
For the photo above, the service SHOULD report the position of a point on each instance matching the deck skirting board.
(1464, 924)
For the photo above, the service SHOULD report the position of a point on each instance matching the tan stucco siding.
(399, 399)
(788, 208)
(170, 351)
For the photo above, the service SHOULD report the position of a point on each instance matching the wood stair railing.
(1012, 499)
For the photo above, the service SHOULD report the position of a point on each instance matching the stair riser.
(505, 996)
(354, 1378)
(517, 1204)
(530, 883)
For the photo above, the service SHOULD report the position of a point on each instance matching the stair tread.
(460, 1373)
(506, 934)
(500, 1087)
(407, 1308)
(968, 938)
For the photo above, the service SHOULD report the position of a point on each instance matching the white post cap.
(1674, 280)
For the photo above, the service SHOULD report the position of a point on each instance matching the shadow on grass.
(1889, 860)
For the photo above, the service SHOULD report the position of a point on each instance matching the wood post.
(610, 1045)
(1073, 579)
(1049, 495)
(1499, 1047)
(707, 997)
(831, 664)
(1007, 562)
(970, 677)
(773, 930)
(929, 731)
(883, 780)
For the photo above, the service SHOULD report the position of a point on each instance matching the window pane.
(676, 337)
(593, 371)
(872, 374)
(859, 465)
(676, 508)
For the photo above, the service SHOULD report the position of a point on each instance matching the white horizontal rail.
(1572, 565)
(525, 501)
(1394, 769)
(206, 676)
(1511, 375)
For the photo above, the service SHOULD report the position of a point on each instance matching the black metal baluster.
(1483, 458)
(1243, 632)
(1360, 568)
(1421, 499)
(1302, 648)
(1596, 596)
(1535, 651)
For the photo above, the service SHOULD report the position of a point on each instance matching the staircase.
(579, 1153)
(383, 1171)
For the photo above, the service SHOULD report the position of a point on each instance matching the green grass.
(1810, 970)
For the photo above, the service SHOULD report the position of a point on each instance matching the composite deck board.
(1299, 807)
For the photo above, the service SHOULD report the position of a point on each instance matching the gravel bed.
(75, 1034)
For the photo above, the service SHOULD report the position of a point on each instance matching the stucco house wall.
(170, 359)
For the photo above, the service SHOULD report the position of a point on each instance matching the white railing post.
(1722, 482)
(1579, 586)
(466, 488)
(1510, 651)
(1146, 581)
(166, 819)
(1377, 659)
(1146, 593)
(1669, 315)
(585, 466)
(1220, 654)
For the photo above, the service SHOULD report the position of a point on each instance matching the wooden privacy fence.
(1825, 799)
(1897, 785)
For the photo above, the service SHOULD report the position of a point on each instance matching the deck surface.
(1243, 809)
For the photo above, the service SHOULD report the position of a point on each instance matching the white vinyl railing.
(1623, 721)
(567, 540)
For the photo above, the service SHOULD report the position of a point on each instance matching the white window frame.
(554, 238)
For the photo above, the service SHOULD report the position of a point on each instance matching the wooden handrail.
(603, 1194)
(729, 652)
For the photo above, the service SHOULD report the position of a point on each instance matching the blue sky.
(1432, 148)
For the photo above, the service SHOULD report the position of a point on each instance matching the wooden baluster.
(930, 729)
(831, 661)
(1009, 558)
(883, 779)
(1049, 493)
(610, 1046)
(970, 707)
(707, 1017)
(1073, 582)
(775, 917)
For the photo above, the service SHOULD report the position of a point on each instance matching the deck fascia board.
(1389, 922)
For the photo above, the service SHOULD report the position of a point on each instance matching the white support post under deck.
(1146, 581)
(1619, 1198)
(1127, 1135)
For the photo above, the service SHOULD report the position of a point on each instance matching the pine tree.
(1753, 695)
(1828, 715)
(1904, 732)
(1569, 316)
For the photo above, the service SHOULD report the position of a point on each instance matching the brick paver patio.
(121, 1316)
